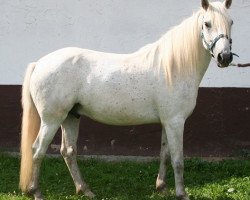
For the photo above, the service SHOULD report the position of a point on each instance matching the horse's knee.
(178, 165)
(67, 151)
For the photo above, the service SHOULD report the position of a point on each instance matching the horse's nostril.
(231, 57)
(220, 58)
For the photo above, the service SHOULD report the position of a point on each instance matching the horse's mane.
(178, 51)
(182, 45)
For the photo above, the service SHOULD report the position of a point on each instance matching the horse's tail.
(30, 128)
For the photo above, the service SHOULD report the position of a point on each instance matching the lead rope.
(240, 65)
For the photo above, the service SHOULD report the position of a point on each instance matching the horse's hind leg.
(70, 129)
(164, 158)
(46, 134)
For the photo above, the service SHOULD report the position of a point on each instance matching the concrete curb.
(107, 158)
(144, 159)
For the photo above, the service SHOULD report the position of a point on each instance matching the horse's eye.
(232, 22)
(208, 24)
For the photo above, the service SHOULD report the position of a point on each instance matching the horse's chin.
(220, 65)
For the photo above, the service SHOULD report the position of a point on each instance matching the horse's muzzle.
(224, 59)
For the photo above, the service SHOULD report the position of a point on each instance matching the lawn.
(225, 180)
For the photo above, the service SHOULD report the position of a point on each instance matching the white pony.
(157, 84)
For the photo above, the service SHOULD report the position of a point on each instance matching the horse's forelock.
(219, 16)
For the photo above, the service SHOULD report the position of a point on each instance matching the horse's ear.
(205, 4)
(228, 3)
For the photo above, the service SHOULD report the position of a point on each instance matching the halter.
(211, 46)
(213, 43)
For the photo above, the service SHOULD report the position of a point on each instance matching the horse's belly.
(114, 113)
(115, 95)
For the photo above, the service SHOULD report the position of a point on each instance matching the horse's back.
(68, 65)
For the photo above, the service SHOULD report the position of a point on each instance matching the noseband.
(211, 46)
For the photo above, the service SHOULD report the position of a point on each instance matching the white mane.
(178, 52)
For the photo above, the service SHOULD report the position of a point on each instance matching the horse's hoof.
(89, 194)
(86, 192)
(35, 191)
(182, 197)
(161, 186)
(38, 198)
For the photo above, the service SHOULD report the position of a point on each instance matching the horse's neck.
(159, 55)
(205, 59)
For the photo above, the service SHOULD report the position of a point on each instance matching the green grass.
(226, 180)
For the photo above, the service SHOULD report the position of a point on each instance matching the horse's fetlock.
(161, 185)
(32, 189)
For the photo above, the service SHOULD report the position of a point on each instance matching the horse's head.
(216, 31)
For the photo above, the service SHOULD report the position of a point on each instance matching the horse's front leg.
(174, 130)
(161, 185)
